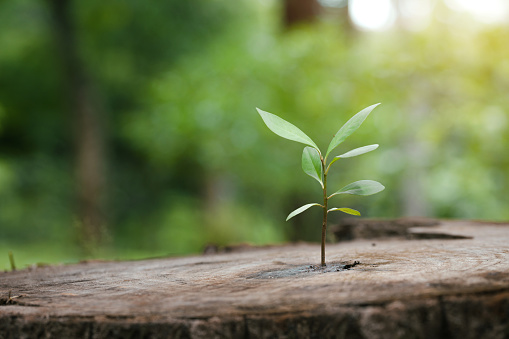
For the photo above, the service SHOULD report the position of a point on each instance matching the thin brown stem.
(325, 199)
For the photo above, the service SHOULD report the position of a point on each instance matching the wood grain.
(433, 288)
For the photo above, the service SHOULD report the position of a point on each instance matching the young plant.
(314, 163)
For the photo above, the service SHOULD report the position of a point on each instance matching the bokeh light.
(372, 15)
(486, 11)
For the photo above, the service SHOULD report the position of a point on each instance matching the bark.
(83, 106)
(432, 288)
(299, 11)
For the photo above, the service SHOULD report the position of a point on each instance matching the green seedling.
(314, 163)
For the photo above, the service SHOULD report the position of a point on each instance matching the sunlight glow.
(372, 15)
(416, 14)
(487, 11)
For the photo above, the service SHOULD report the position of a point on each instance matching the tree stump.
(451, 283)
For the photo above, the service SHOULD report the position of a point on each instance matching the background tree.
(84, 107)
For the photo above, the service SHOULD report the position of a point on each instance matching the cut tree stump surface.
(432, 288)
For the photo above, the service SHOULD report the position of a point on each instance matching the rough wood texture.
(433, 288)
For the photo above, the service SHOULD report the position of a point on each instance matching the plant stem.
(325, 199)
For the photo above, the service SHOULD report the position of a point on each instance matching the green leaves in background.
(345, 210)
(361, 187)
(349, 127)
(300, 210)
(311, 164)
(285, 129)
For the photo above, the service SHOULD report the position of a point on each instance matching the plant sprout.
(314, 163)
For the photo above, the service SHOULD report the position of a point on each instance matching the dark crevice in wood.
(425, 236)
(445, 331)
(246, 327)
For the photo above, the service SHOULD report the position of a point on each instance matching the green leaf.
(311, 164)
(358, 151)
(349, 127)
(300, 210)
(345, 210)
(361, 187)
(285, 129)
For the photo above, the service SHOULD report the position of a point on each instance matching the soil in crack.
(302, 270)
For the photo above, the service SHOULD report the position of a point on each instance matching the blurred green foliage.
(191, 163)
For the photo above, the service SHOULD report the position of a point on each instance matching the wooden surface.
(434, 288)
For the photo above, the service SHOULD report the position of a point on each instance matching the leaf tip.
(372, 107)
